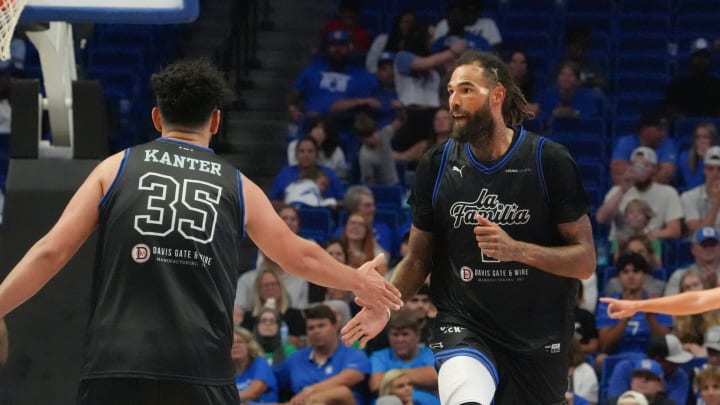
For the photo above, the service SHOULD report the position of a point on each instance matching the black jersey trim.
(123, 162)
(500, 163)
(445, 355)
(441, 171)
(541, 174)
(241, 201)
(161, 139)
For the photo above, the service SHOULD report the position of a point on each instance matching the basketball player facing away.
(171, 214)
(501, 218)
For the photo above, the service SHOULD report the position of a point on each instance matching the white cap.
(632, 398)
(644, 153)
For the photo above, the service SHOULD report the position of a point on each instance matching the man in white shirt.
(701, 204)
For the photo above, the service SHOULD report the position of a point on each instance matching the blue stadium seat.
(641, 84)
(315, 223)
(594, 171)
(646, 6)
(676, 253)
(644, 23)
(388, 197)
(579, 127)
(587, 148)
(391, 218)
(698, 6)
(642, 43)
(584, 7)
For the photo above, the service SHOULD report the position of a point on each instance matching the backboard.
(111, 11)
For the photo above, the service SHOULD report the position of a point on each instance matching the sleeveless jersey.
(510, 304)
(166, 266)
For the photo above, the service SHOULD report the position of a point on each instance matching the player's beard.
(478, 129)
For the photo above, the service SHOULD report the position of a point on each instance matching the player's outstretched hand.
(495, 242)
(365, 325)
(619, 309)
(375, 291)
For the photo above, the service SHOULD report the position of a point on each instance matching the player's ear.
(157, 119)
(215, 122)
(498, 94)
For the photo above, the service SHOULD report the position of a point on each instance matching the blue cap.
(338, 36)
(649, 365)
(706, 233)
(386, 57)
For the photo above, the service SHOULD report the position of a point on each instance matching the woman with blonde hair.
(358, 238)
(690, 161)
(254, 378)
(270, 292)
(690, 329)
(396, 383)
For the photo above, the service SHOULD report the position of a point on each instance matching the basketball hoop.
(9, 14)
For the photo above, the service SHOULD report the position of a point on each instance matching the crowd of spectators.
(367, 108)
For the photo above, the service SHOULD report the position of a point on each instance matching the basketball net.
(9, 14)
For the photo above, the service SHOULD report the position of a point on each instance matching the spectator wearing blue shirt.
(633, 334)
(406, 352)
(666, 351)
(567, 98)
(646, 384)
(652, 132)
(254, 378)
(326, 371)
(306, 154)
(330, 78)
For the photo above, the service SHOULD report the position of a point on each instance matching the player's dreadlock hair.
(515, 106)
(187, 92)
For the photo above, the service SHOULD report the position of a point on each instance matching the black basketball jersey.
(166, 267)
(508, 303)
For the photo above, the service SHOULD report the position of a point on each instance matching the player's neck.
(496, 147)
(189, 136)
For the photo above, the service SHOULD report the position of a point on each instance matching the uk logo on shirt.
(334, 82)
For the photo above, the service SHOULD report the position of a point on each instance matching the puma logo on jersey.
(458, 169)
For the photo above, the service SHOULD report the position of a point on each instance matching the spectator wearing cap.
(647, 379)
(652, 133)
(348, 20)
(705, 249)
(711, 344)
(696, 94)
(630, 335)
(638, 182)
(632, 398)
(691, 162)
(665, 351)
(389, 108)
(329, 78)
(701, 204)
